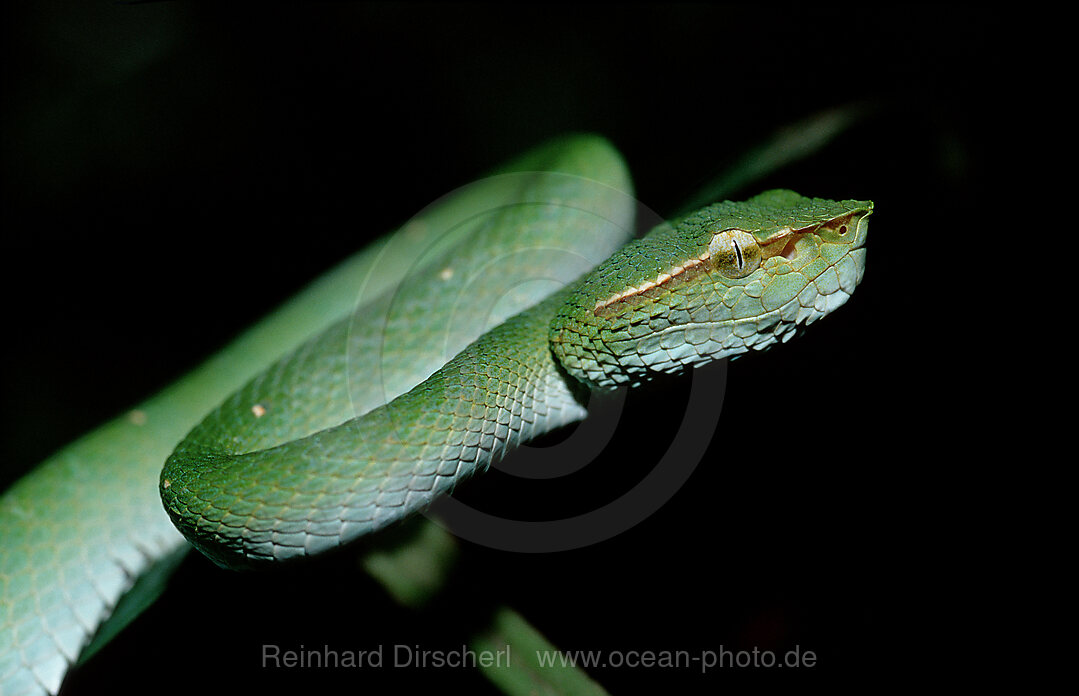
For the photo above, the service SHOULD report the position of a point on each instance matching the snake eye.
(734, 253)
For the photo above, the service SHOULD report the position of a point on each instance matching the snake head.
(726, 279)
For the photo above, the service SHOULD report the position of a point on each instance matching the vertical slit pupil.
(738, 253)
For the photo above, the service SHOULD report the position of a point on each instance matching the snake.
(485, 322)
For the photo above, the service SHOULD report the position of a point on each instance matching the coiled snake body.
(245, 487)
(460, 358)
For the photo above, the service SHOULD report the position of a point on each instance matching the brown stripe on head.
(682, 273)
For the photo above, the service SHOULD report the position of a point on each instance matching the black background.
(161, 160)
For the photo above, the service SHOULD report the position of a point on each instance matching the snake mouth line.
(799, 318)
(756, 318)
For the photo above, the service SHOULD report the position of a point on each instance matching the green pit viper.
(460, 357)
